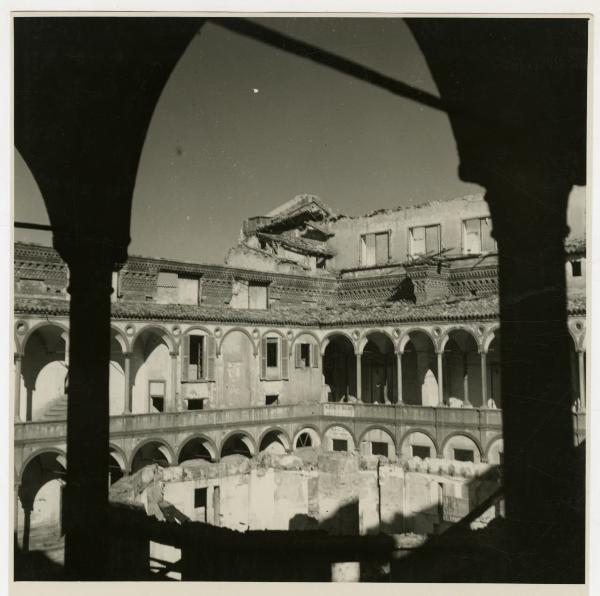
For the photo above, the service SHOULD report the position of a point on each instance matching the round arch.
(427, 440)
(443, 340)
(163, 447)
(343, 433)
(207, 443)
(40, 325)
(325, 341)
(59, 452)
(461, 440)
(371, 438)
(240, 330)
(279, 430)
(163, 332)
(197, 328)
(406, 337)
(489, 337)
(119, 456)
(300, 334)
(121, 338)
(378, 427)
(365, 336)
(244, 437)
(280, 436)
(312, 433)
(494, 450)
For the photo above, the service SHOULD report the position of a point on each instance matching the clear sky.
(241, 128)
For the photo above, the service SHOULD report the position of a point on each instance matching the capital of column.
(18, 356)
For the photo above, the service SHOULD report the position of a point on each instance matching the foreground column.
(540, 466)
(86, 492)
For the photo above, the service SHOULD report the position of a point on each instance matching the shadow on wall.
(311, 550)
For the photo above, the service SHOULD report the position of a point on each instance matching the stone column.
(483, 379)
(16, 488)
(18, 361)
(466, 379)
(86, 492)
(440, 379)
(127, 406)
(581, 362)
(171, 405)
(358, 377)
(399, 376)
(540, 476)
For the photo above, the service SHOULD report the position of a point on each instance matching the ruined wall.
(340, 493)
(448, 214)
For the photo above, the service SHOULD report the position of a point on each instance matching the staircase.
(56, 410)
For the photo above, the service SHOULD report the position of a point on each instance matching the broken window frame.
(427, 250)
(374, 259)
(483, 249)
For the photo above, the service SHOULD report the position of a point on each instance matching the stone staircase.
(56, 410)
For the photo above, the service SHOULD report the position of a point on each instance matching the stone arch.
(379, 370)
(119, 456)
(197, 328)
(313, 434)
(373, 435)
(338, 431)
(229, 446)
(39, 506)
(207, 443)
(163, 332)
(463, 440)
(44, 372)
(59, 452)
(119, 346)
(489, 337)
(494, 448)
(37, 326)
(326, 339)
(462, 378)
(121, 338)
(443, 339)
(364, 338)
(117, 463)
(300, 334)
(240, 330)
(274, 439)
(151, 361)
(419, 363)
(339, 363)
(161, 446)
(492, 368)
(240, 370)
(424, 439)
(406, 337)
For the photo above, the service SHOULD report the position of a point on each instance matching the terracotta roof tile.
(305, 315)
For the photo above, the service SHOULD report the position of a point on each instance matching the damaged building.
(375, 335)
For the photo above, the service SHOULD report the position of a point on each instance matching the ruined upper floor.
(303, 258)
